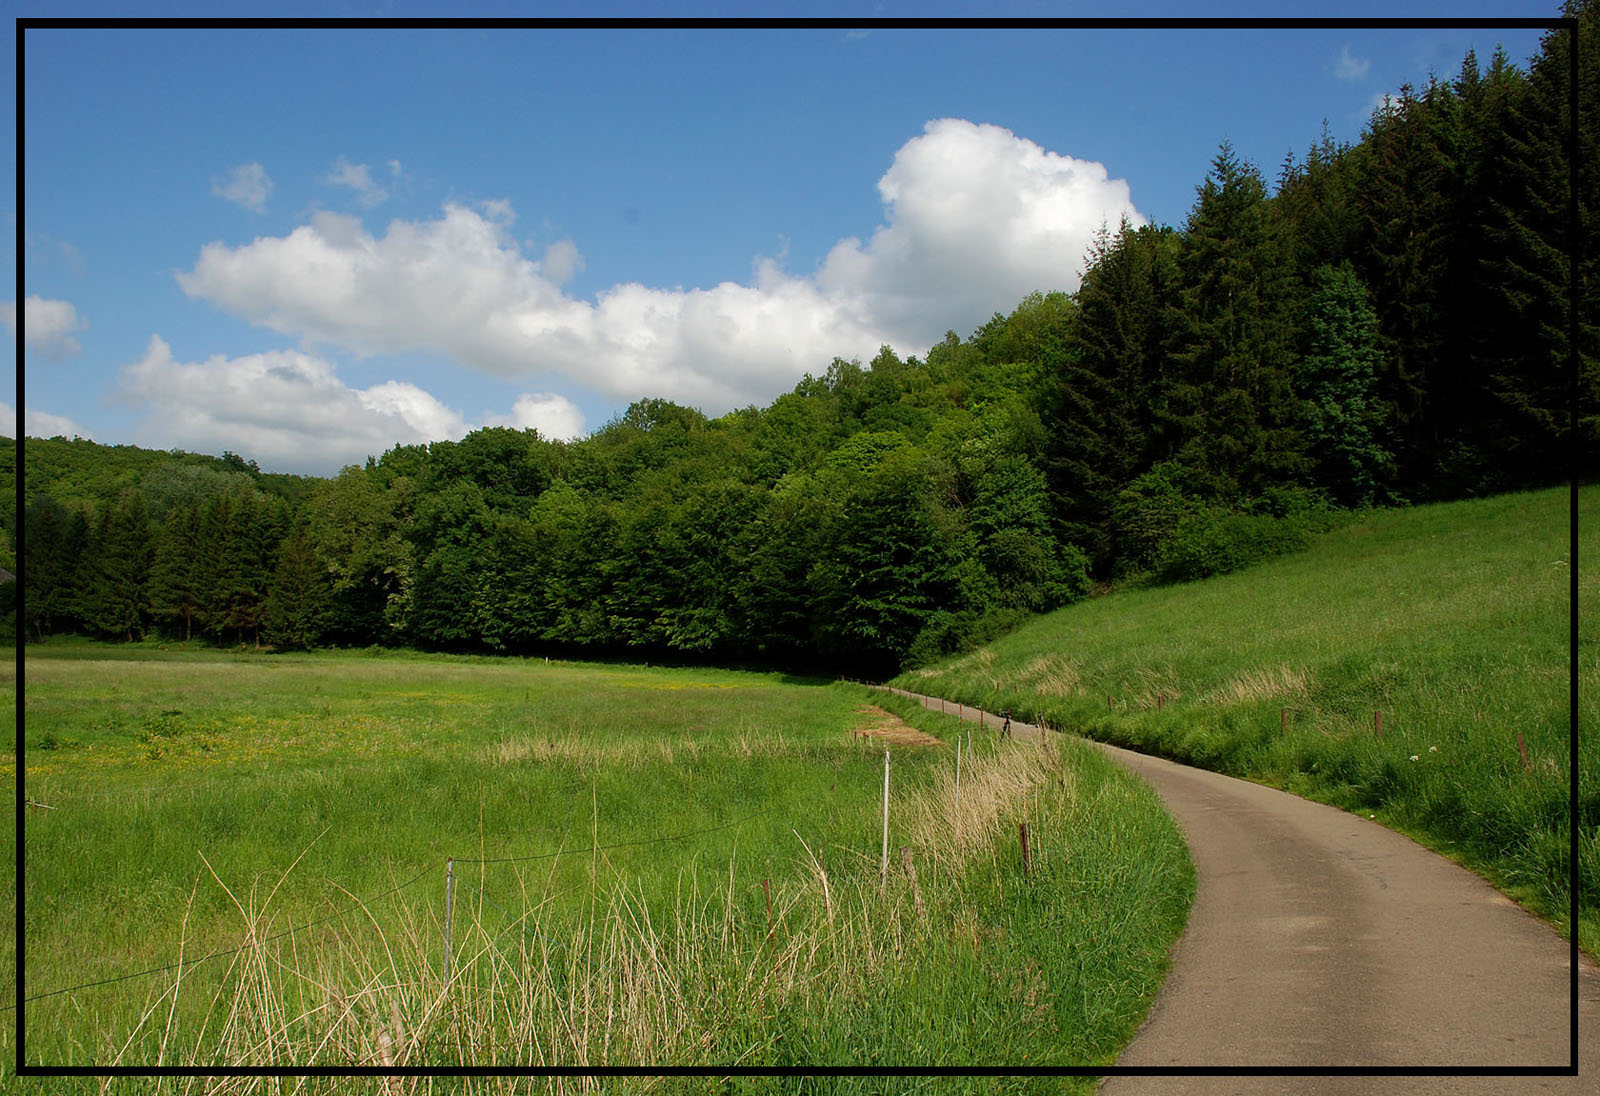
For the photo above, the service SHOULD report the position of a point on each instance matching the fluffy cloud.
(40, 424)
(1349, 67)
(976, 217)
(554, 416)
(290, 412)
(247, 186)
(47, 326)
(359, 179)
(286, 409)
(975, 214)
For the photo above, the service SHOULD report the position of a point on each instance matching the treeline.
(1388, 326)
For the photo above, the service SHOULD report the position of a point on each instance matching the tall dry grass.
(621, 982)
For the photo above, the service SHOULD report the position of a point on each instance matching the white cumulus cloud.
(47, 326)
(289, 411)
(553, 415)
(358, 177)
(975, 214)
(975, 218)
(40, 424)
(248, 185)
(1349, 67)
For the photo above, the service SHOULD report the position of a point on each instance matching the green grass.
(1451, 620)
(296, 812)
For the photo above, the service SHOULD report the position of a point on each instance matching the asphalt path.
(1320, 940)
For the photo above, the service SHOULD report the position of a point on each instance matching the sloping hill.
(1414, 665)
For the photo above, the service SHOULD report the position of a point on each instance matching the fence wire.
(384, 894)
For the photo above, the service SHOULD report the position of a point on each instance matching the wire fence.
(966, 711)
(415, 879)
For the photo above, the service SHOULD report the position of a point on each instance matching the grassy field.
(651, 866)
(1446, 626)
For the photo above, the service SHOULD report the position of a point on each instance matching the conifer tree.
(115, 597)
(296, 609)
(1106, 402)
(1231, 401)
(176, 594)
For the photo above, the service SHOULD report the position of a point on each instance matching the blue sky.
(306, 246)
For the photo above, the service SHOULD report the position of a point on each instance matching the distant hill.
(83, 471)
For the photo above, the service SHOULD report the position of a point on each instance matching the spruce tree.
(296, 609)
(115, 595)
(1106, 400)
(1231, 399)
(176, 595)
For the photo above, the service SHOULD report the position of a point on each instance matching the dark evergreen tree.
(1316, 205)
(239, 539)
(1409, 189)
(296, 609)
(114, 600)
(177, 593)
(56, 539)
(1106, 405)
(1231, 401)
(1527, 350)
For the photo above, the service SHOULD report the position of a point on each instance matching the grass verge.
(1414, 665)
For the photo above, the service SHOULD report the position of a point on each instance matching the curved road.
(1319, 939)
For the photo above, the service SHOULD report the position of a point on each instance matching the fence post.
(958, 770)
(1522, 749)
(883, 867)
(1027, 860)
(1283, 720)
(449, 908)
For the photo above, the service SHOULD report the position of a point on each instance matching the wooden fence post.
(1027, 860)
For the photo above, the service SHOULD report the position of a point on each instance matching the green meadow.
(248, 852)
(1413, 665)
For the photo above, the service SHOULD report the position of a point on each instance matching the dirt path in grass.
(1319, 939)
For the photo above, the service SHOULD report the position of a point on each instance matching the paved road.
(1321, 939)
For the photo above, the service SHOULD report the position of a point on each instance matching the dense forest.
(1385, 322)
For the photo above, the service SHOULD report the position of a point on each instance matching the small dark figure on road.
(1005, 728)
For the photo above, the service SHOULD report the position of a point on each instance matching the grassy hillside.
(618, 833)
(1449, 624)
